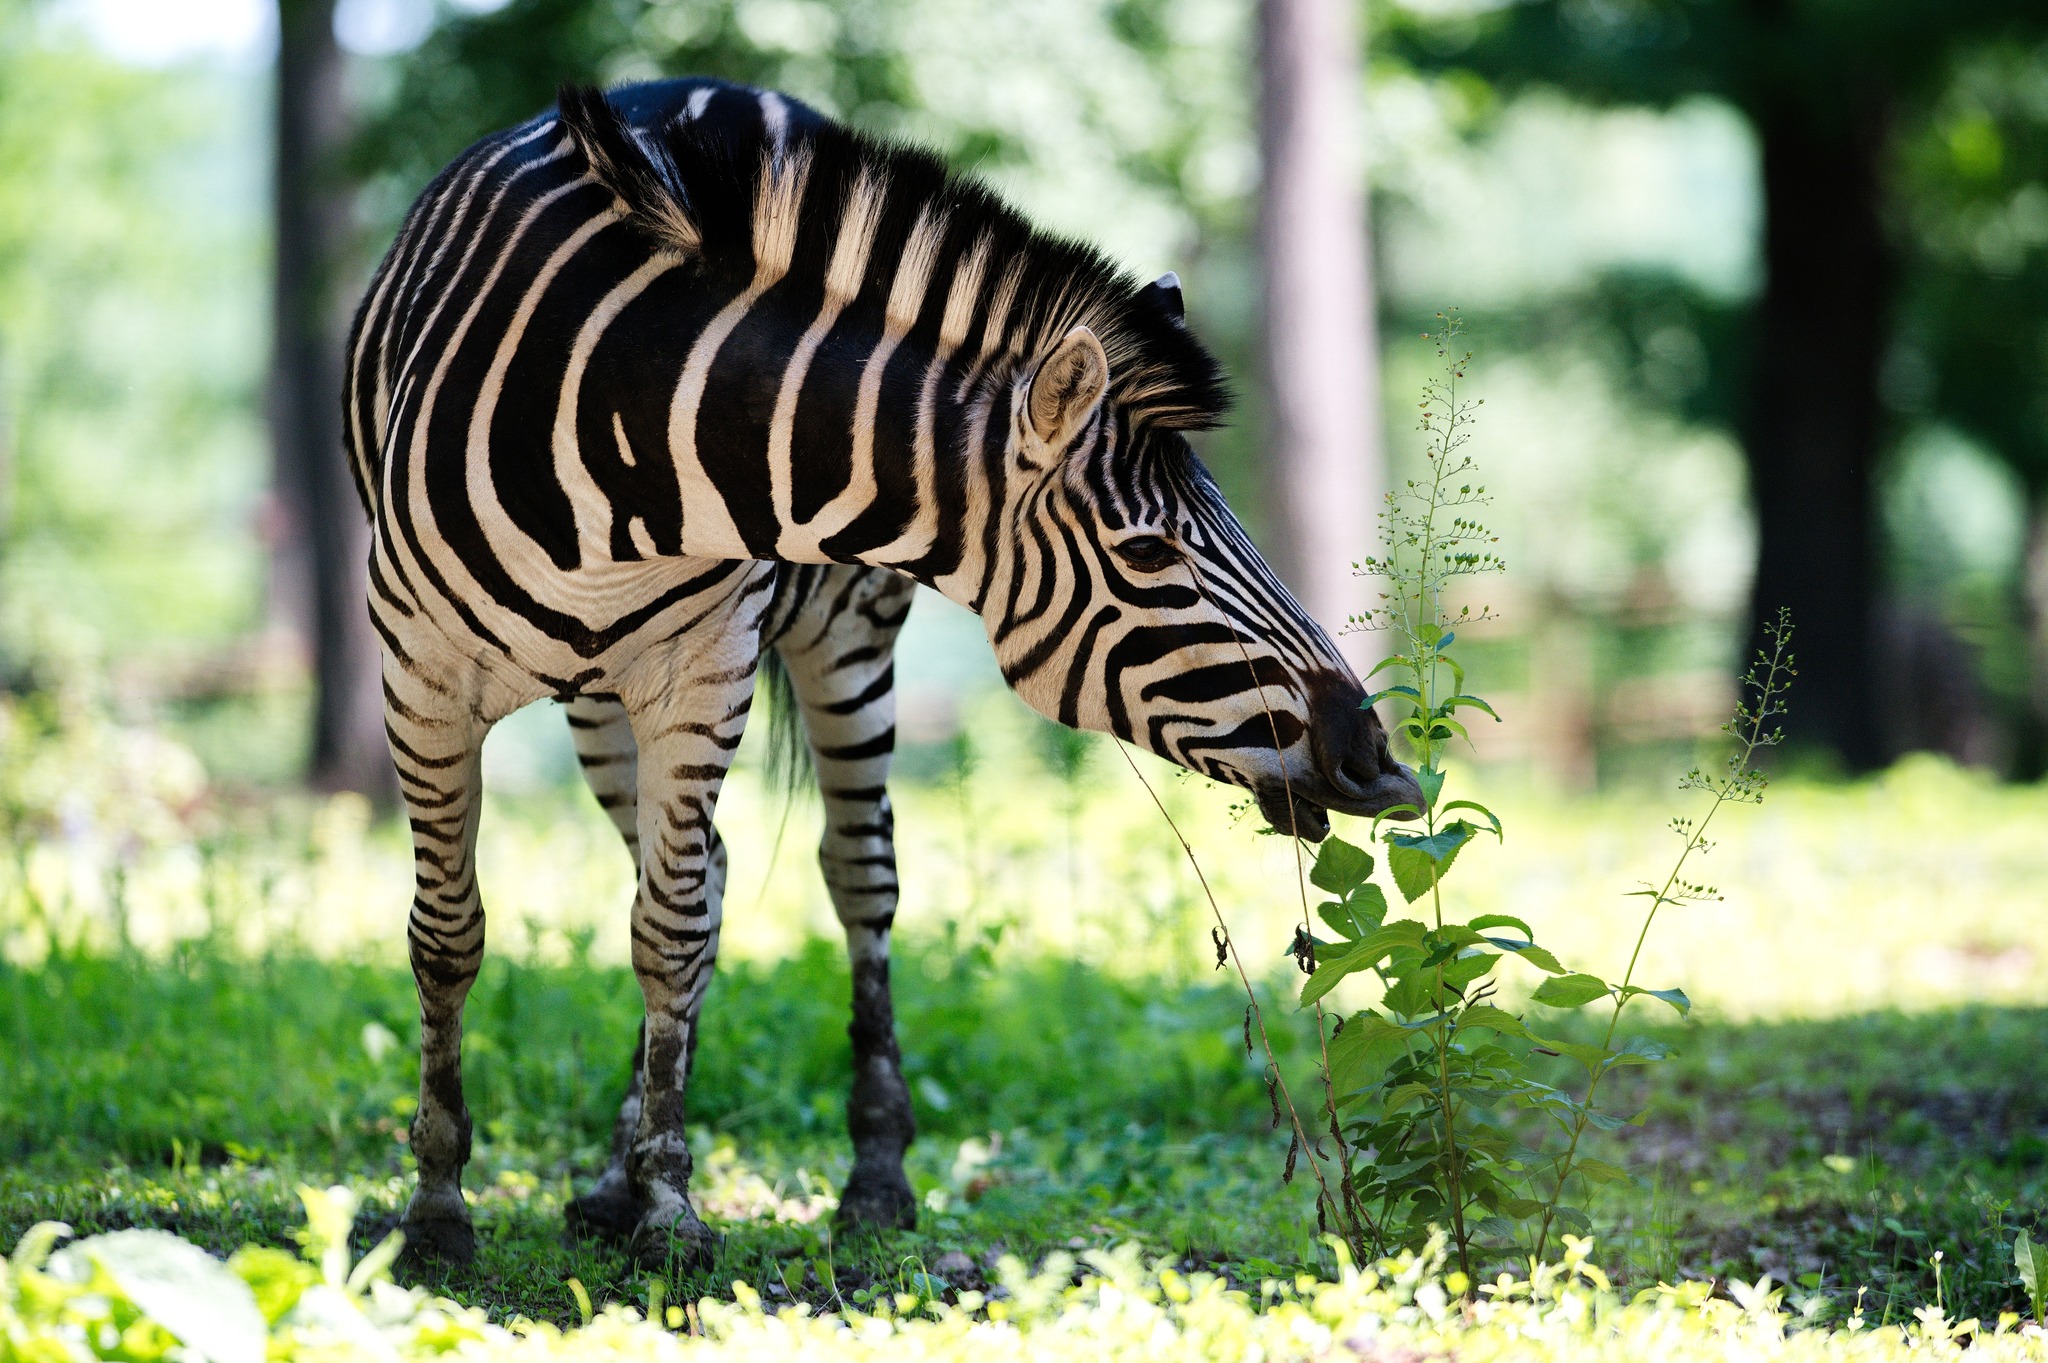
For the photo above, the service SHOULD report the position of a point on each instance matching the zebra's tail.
(789, 749)
(635, 167)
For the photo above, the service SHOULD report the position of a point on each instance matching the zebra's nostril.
(1359, 770)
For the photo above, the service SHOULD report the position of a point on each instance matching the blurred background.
(1758, 291)
(1758, 295)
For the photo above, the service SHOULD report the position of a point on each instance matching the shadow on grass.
(194, 1093)
(133, 1058)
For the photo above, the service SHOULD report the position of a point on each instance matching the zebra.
(625, 364)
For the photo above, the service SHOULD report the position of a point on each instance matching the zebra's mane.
(738, 200)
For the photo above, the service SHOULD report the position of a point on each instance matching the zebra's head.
(1128, 599)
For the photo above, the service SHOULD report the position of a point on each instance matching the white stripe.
(589, 505)
(775, 116)
(906, 292)
(708, 527)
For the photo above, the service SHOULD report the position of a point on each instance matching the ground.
(223, 1016)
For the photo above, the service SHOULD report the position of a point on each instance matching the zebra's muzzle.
(1350, 770)
(1302, 807)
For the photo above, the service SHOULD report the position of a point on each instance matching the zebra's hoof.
(680, 1243)
(442, 1241)
(606, 1212)
(877, 1201)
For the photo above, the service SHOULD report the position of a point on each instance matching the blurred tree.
(1972, 345)
(322, 545)
(130, 233)
(480, 71)
(1321, 362)
(1826, 84)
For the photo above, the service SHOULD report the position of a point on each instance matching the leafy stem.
(1740, 783)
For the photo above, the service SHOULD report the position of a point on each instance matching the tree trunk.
(2030, 741)
(1326, 466)
(1813, 428)
(322, 543)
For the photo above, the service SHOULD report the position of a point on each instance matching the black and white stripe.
(624, 361)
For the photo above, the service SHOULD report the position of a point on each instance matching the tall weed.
(1437, 1103)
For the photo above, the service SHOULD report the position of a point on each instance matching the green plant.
(1740, 782)
(2032, 1261)
(152, 1297)
(1423, 1091)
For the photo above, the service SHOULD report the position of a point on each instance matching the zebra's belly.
(522, 629)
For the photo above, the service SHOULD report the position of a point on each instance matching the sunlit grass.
(1918, 889)
(1076, 1063)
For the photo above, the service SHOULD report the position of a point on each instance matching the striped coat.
(626, 362)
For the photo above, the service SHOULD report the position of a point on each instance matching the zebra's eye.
(1147, 552)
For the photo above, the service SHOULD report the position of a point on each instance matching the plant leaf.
(2032, 1261)
(1571, 991)
(1531, 953)
(1600, 1171)
(1340, 866)
(1501, 920)
(1399, 1095)
(1368, 905)
(1640, 1050)
(1493, 1019)
(1456, 701)
(1431, 779)
(1479, 809)
(1363, 954)
(1419, 861)
(182, 1288)
(1366, 1038)
(1591, 1057)
(1675, 997)
(1340, 921)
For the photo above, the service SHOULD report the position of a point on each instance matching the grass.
(202, 1005)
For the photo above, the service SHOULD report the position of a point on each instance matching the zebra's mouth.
(1302, 807)
(1289, 813)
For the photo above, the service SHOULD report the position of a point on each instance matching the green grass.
(203, 1003)
(195, 1093)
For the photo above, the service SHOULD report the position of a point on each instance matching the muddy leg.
(686, 732)
(604, 747)
(840, 659)
(610, 763)
(436, 743)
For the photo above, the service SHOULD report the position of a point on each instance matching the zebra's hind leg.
(839, 654)
(436, 743)
(604, 747)
(686, 724)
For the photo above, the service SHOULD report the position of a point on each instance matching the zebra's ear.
(637, 169)
(1163, 293)
(1067, 386)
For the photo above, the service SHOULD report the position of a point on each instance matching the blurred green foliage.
(132, 315)
(1948, 102)
(1603, 255)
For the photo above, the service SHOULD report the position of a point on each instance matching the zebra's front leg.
(436, 743)
(840, 657)
(686, 734)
